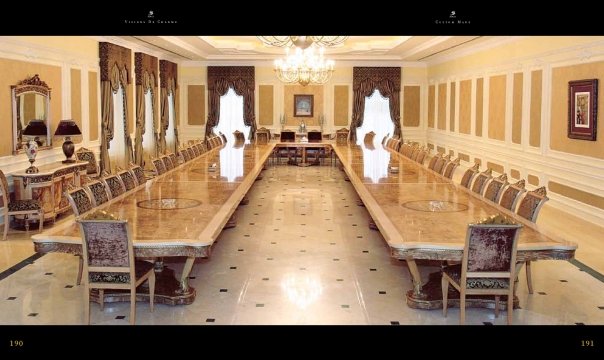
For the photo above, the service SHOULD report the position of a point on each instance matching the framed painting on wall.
(303, 105)
(582, 109)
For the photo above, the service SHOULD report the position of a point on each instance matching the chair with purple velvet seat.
(109, 260)
(488, 265)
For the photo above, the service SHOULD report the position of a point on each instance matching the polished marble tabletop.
(181, 212)
(422, 214)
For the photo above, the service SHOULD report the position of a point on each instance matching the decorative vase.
(31, 150)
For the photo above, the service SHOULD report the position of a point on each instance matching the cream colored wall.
(519, 114)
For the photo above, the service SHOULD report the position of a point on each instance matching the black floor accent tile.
(339, 279)
(302, 236)
(210, 320)
(302, 250)
(239, 249)
(563, 280)
(49, 273)
(345, 306)
(329, 230)
(278, 219)
(255, 213)
(269, 258)
(541, 293)
(264, 279)
(354, 224)
(224, 290)
(273, 243)
(587, 269)
(579, 323)
(302, 268)
(359, 236)
(487, 323)
(365, 251)
(259, 305)
(120, 317)
(345, 205)
(275, 229)
(11, 298)
(20, 265)
(599, 307)
(32, 314)
(191, 277)
(382, 292)
(395, 323)
(332, 243)
(246, 235)
(233, 267)
(252, 223)
(68, 286)
(303, 224)
(336, 259)
(372, 269)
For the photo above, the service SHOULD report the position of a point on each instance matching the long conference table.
(424, 216)
(179, 213)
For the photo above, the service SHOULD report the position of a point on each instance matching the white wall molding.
(15, 48)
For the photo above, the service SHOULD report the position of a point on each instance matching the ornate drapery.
(242, 80)
(114, 66)
(364, 81)
(168, 75)
(145, 69)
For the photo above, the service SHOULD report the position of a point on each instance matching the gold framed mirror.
(31, 101)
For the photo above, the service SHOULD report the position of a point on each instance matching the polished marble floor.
(302, 253)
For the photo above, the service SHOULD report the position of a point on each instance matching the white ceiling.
(369, 48)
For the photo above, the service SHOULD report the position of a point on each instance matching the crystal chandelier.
(302, 42)
(304, 67)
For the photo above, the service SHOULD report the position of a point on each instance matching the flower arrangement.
(282, 120)
(321, 121)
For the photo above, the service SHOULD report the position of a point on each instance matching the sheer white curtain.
(148, 136)
(117, 148)
(231, 116)
(376, 118)
(170, 136)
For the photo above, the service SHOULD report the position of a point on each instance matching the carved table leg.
(184, 277)
(231, 223)
(360, 203)
(244, 201)
(372, 224)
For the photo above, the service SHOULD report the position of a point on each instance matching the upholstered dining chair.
(529, 208)
(185, 155)
(18, 207)
(439, 166)
(139, 173)
(511, 194)
(80, 202)
(481, 180)
(173, 159)
(128, 179)
(167, 162)
(191, 153)
(158, 164)
(433, 160)
(450, 168)
(98, 192)
(109, 261)
(494, 188)
(467, 177)
(487, 268)
(114, 185)
(421, 156)
(92, 169)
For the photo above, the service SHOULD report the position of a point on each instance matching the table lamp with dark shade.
(68, 128)
(34, 129)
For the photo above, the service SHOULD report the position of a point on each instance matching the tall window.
(117, 147)
(149, 135)
(231, 116)
(376, 118)
(170, 136)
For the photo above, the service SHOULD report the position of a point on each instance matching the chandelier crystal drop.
(304, 66)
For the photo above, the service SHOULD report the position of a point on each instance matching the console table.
(48, 185)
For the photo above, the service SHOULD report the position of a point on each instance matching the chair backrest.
(167, 162)
(115, 185)
(467, 177)
(4, 196)
(440, 164)
(315, 136)
(79, 199)
(223, 137)
(494, 188)
(140, 174)
(288, 136)
(490, 252)
(421, 156)
(531, 204)
(173, 159)
(262, 136)
(415, 154)
(185, 155)
(128, 179)
(191, 153)
(159, 166)
(84, 154)
(98, 190)
(481, 180)
(433, 160)
(511, 194)
(342, 136)
(239, 136)
(450, 168)
(107, 251)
